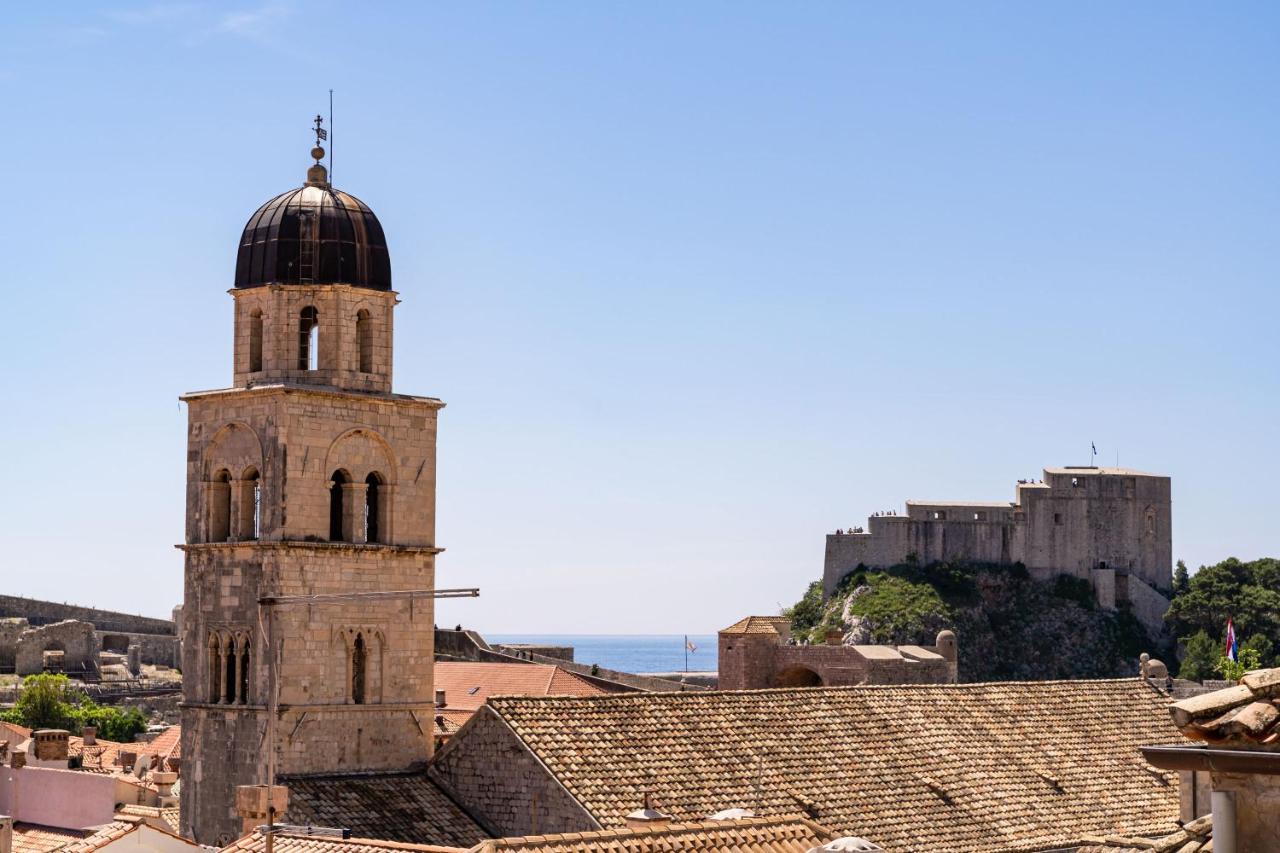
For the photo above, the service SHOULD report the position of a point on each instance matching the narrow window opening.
(244, 673)
(229, 694)
(939, 515)
(255, 341)
(215, 668)
(372, 508)
(359, 657)
(308, 339)
(364, 340)
(250, 513)
(220, 507)
(1057, 518)
(335, 505)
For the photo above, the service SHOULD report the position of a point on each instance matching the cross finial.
(321, 133)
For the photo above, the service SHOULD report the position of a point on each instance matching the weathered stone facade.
(758, 653)
(1110, 526)
(307, 478)
(75, 640)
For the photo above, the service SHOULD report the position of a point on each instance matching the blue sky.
(699, 282)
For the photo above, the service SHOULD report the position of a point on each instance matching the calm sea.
(628, 652)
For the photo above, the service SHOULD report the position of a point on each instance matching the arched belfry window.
(359, 667)
(336, 498)
(308, 339)
(255, 341)
(364, 340)
(215, 668)
(229, 661)
(373, 509)
(250, 515)
(220, 507)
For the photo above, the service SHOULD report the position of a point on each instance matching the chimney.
(164, 781)
(647, 817)
(440, 703)
(89, 735)
(126, 758)
(19, 759)
(51, 744)
(6, 834)
(252, 805)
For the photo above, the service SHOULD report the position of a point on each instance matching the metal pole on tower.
(330, 137)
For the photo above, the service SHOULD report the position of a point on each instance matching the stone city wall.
(42, 612)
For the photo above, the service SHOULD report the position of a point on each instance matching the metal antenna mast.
(330, 136)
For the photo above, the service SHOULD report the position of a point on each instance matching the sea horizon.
(637, 653)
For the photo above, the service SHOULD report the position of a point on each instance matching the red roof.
(468, 685)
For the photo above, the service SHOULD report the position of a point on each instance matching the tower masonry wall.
(1093, 523)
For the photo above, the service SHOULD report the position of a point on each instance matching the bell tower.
(307, 477)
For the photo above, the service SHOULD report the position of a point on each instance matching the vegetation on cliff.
(1009, 626)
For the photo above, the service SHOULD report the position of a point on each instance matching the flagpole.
(686, 652)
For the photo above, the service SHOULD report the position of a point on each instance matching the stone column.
(233, 523)
(1224, 821)
(353, 501)
(386, 513)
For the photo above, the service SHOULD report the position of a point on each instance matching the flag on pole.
(688, 644)
(1232, 648)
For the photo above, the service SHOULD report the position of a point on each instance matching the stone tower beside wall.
(1109, 526)
(307, 477)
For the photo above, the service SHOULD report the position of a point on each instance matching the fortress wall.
(44, 612)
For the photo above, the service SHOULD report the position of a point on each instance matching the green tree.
(807, 612)
(1201, 658)
(1234, 670)
(1261, 644)
(1181, 579)
(1249, 593)
(44, 702)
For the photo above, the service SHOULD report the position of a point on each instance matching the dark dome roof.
(314, 235)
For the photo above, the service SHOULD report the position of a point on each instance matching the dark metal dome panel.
(314, 235)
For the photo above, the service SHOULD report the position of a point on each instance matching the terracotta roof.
(167, 744)
(14, 733)
(105, 834)
(160, 818)
(33, 838)
(748, 835)
(467, 685)
(1191, 838)
(971, 767)
(1247, 714)
(760, 625)
(406, 807)
(447, 721)
(285, 842)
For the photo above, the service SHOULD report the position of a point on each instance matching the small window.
(359, 660)
(364, 340)
(980, 516)
(244, 671)
(1076, 482)
(939, 515)
(1057, 518)
(373, 509)
(308, 339)
(255, 341)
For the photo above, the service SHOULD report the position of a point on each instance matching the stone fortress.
(307, 478)
(1109, 526)
(39, 636)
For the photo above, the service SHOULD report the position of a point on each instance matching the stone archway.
(797, 676)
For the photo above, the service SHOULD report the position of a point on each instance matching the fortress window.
(336, 498)
(979, 516)
(939, 515)
(364, 340)
(359, 659)
(373, 508)
(1057, 518)
(220, 507)
(308, 339)
(1076, 482)
(255, 341)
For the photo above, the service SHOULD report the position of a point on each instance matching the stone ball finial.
(317, 153)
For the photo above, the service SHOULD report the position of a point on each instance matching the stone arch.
(362, 451)
(234, 446)
(797, 676)
(364, 650)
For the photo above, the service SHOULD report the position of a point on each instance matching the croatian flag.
(1231, 640)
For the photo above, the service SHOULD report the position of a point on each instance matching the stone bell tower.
(307, 477)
